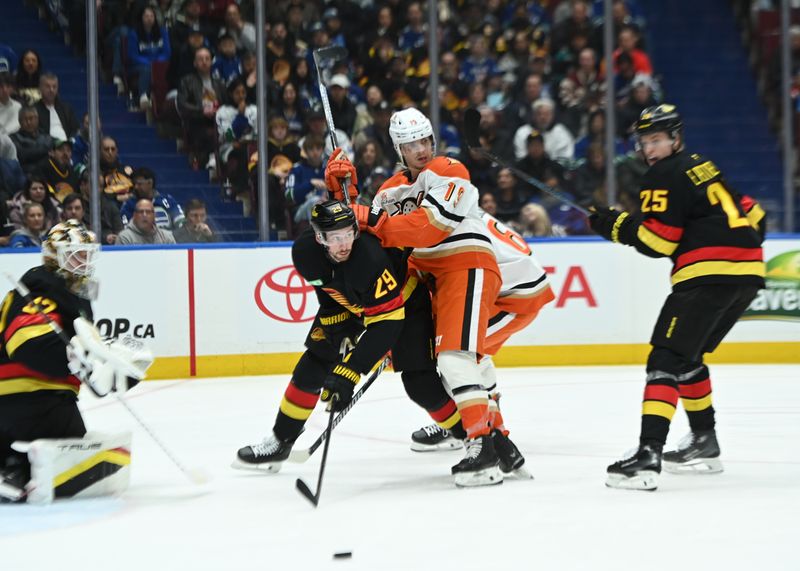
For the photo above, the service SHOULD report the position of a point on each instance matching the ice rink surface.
(397, 509)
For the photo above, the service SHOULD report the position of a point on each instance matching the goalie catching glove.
(104, 367)
(338, 386)
(341, 173)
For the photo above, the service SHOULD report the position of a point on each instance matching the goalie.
(45, 451)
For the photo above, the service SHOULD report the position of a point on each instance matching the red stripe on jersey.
(25, 320)
(442, 414)
(299, 397)
(727, 253)
(695, 390)
(665, 231)
(662, 393)
(395, 303)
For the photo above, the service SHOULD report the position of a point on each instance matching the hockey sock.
(695, 394)
(296, 406)
(447, 417)
(658, 406)
(495, 416)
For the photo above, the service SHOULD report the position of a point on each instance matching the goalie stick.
(300, 456)
(196, 476)
(472, 120)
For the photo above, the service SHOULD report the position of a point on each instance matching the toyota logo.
(286, 293)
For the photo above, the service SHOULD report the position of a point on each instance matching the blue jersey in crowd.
(169, 214)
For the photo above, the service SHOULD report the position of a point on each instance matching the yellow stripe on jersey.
(656, 242)
(397, 315)
(658, 408)
(409, 287)
(24, 334)
(111, 456)
(693, 405)
(718, 268)
(293, 411)
(31, 384)
(441, 252)
(755, 215)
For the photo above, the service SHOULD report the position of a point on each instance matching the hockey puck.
(343, 555)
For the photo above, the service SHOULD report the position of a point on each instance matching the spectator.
(32, 230)
(641, 97)
(56, 117)
(8, 60)
(342, 109)
(168, 212)
(8, 152)
(508, 197)
(453, 89)
(581, 91)
(487, 203)
(81, 144)
(9, 108)
(534, 221)
(558, 141)
(110, 222)
(226, 65)
(35, 191)
(628, 41)
(306, 183)
(142, 228)
(280, 141)
(537, 162)
(378, 130)
(479, 65)
(333, 25)
(493, 136)
(32, 145)
(414, 34)
(199, 97)
(318, 126)
(187, 22)
(236, 127)
(196, 229)
(369, 157)
(519, 112)
(578, 23)
(117, 183)
(73, 209)
(590, 177)
(250, 76)
(182, 62)
(243, 33)
(290, 109)
(371, 183)
(596, 133)
(28, 78)
(57, 170)
(6, 227)
(147, 43)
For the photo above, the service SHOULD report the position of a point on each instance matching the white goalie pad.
(96, 465)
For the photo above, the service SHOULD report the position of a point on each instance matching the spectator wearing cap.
(196, 230)
(414, 34)
(342, 109)
(641, 96)
(9, 108)
(32, 145)
(536, 161)
(56, 117)
(237, 126)
(117, 182)
(168, 212)
(242, 32)
(558, 141)
(142, 228)
(333, 25)
(57, 170)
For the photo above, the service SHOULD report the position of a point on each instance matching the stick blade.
(329, 53)
(299, 456)
(472, 124)
(303, 488)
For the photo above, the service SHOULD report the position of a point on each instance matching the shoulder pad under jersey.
(447, 167)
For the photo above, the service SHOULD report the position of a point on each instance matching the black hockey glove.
(608, 222)
(340, 383)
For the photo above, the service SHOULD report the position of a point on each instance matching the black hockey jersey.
(32, 356)
(688, 213)
(369, 286)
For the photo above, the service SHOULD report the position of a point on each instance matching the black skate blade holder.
(301, 486)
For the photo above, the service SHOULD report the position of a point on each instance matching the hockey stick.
(472, 120)
(195, 476)
(324, 55)
(301, 486)
(300, 456)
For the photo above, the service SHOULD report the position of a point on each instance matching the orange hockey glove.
(341, 173)
(369, 218)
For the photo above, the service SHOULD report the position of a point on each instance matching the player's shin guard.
(658, 407)
(695, 392)
(296, 406)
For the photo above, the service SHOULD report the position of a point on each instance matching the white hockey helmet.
(407, 126)
(70, 249)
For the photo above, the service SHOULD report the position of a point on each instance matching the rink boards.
(244, 310)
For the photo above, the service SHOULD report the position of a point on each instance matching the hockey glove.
(339, 383)
(608, 222)
(369, 218)
(340, 174)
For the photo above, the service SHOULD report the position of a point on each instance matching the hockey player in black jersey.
(713, 236)
(367, 307)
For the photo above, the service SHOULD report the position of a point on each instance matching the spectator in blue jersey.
(81, 144)
(479, 65)
(196, 229)
(333, 24)
(305, 185)
(168, 212)
(413, 35)
(147, 43)
(32, 230)
(226, 65)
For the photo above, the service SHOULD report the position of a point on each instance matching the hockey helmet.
(659, 118)
(332, 215)
(407, 126)
(70, 250)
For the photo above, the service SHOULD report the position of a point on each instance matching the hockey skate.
(637, 472)
(432, 438)
(12, 484)
(697, 453)
(511, 459)
(480, 466)
(266, 456)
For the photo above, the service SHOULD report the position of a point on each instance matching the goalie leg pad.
(95, 465)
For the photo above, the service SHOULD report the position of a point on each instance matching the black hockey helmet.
(333, 215)
(659, 118)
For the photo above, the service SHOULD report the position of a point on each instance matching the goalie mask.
(70, 250)
(407, 126)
